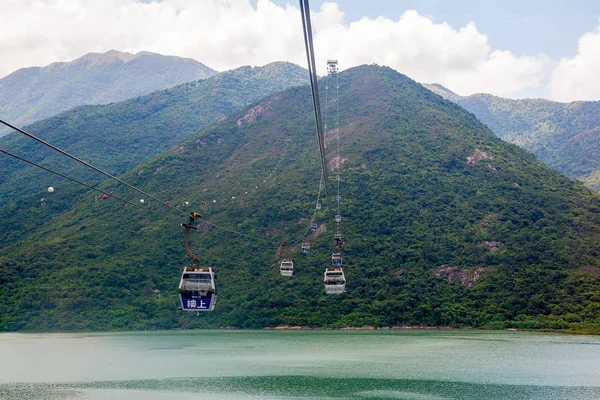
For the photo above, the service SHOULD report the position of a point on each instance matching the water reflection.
(291, 387)
(300, 365)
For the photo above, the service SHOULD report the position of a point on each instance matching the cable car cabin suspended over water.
(334, 280)
(197, 288)
(286, 267)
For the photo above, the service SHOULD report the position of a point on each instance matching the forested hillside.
(118, 136)
(444, 224)
(564, 136)
(32, 94)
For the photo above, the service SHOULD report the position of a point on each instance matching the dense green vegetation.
(445, 224)
(31, 94)
(117, 137)
(563, 136)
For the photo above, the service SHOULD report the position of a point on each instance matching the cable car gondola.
(197, 289)
(334, 280)
(313, 227)
(305, 247)
(336, 260)
(286, 268)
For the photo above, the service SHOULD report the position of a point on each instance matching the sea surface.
(383, 364)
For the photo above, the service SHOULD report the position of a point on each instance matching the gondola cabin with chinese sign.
(197, 290)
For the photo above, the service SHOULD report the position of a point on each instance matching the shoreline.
(590, 332)
(358, 328)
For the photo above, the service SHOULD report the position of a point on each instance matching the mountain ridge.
(445, 225)
(562, 135)
(34, 93)
(145, 125)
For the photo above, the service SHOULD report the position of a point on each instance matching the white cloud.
(577, 78)
(225, 34)
(433, 52)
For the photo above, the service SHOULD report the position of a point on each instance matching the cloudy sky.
(510, 48)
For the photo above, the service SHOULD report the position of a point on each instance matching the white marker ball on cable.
(142, 201)
(51, 189)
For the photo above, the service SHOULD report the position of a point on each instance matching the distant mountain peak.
(97, 58)
(109, 56)
(445, 89)
(112, 56)
(564, 136)
(32, 94)
(442, 91)
(276, 65)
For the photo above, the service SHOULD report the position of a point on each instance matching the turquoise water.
(391, 364)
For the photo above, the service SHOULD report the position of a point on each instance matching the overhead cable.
(310, 56)
(127, 201)
(66, 177)
(166, 203)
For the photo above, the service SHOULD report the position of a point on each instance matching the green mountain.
(563, 136)
(444, 223)
(33, 94)
(119, 136)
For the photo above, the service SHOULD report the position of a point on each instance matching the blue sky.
(524, 27)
